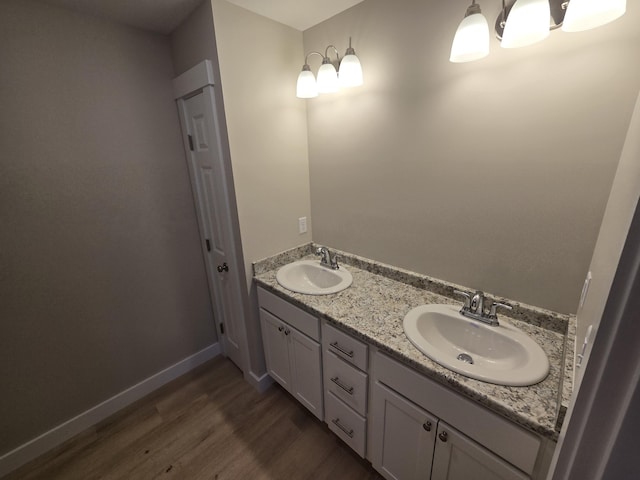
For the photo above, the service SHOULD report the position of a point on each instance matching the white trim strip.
(63, 432)
(193, 79)
(259, 383)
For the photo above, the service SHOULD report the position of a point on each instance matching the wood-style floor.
(209, 424)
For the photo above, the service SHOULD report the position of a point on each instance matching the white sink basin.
(503, 355)
(312, 278)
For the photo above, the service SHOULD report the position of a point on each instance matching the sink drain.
(466, 358)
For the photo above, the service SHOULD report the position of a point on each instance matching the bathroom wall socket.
(585, 290)
(302, 225)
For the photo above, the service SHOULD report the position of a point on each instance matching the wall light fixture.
(525, 22)
(586, 14)
(472, 37)
(349, 73)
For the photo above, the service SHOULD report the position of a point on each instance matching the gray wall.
(493, 174)
(267, 128)
(267, 139)
(194, 40)
(102, 277)
(618, 215)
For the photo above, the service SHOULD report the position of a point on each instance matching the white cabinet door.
(306, 371)
(294, 361)
(276, 350)
(403, 436)
(457, 457)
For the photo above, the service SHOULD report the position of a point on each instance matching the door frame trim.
(200, 78)
(196, 78)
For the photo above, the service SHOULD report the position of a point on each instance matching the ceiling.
(299, 14)
(163, 16)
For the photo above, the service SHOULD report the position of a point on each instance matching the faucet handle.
(325, 256)
(467, 298)
(334, 262)
(494, 308)
(477, 302)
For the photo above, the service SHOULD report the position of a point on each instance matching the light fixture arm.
(503, 21)
(306, 58)
(558, 9)
(473, 9)
(326, 54)
(350, 50)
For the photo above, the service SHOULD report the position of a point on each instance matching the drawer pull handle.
(341, 350)
(337, 381)
(336, 422)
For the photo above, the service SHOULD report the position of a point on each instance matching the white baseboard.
(259, 383)
(63, 432)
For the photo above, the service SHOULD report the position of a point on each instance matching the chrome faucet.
(474, 308)
(326, 259)
(477, 303)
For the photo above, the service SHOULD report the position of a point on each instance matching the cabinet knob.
(444, 436)
(287, 331)
(280, 329)
(427, 426)
(223, 268)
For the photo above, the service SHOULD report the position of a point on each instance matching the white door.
(210, 193)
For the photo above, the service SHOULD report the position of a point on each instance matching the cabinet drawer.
(346, 382)
(303, 321)
(516, 445)
(344, 346)
(346, 423)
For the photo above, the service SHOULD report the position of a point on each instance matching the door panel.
(276, 351)
(403, 436)
(307, 372)
(210, 194)
(457, 457)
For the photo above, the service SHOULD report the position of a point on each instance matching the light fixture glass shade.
(350, 74)
(586, 14)
(306, 87)
(527, 23)
(327, 79)
(472, 39)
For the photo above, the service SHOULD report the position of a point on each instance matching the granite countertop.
(373, 309)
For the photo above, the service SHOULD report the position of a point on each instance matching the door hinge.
(208, 244)
(190, 142)
(222, 328)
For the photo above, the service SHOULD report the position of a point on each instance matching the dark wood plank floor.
(209, 424)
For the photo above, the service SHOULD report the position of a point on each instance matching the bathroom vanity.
(346, 358)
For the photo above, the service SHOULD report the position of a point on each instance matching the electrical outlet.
(585, 290)
(587, 339)
(302, 225)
